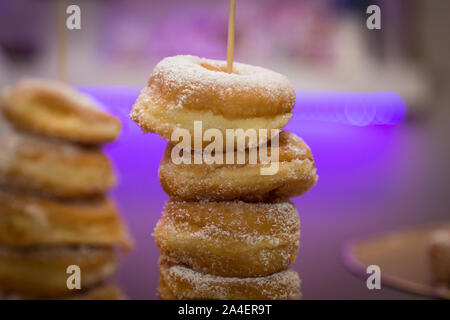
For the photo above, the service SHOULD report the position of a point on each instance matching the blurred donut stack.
(228, 230)
(56, 222)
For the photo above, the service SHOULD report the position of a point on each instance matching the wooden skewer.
(62, 42)
(231, 23)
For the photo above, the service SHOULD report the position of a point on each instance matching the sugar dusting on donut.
(266, 235)
(278, 286)
(226, 182)
(208, 72)
(293, 143)
(282, 218)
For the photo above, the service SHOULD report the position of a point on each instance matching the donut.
(33, 221)
(50, 167)
(230, 239)
(57, 110)
(439, 256)
(181, 283)
(41, 271)
(101, 292)
(296, 174)
(184, 89)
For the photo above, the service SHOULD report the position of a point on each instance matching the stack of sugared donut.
(228, 231)
(54, 212)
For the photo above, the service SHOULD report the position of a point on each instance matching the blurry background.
(317, 44)
(373, 178)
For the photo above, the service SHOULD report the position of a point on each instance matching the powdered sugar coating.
(264, 222)
(186, 79)
(229, 238)
(296, 174)
(185, 283)
(185, 89)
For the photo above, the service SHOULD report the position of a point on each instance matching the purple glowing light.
(360, 109)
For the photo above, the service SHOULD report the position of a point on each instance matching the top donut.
(184, 89)
(57, 110)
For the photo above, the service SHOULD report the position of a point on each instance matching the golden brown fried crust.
(32, 221)
(204, 84)
(41, 271)
(181, 283)
(221, 182)
(52, 168)
(184, 89)
(439, 255)
(57, 110)
(230, 239)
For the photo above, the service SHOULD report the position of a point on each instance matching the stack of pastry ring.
(227, 231)
(53, 180)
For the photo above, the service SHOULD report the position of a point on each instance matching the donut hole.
(215, 68)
